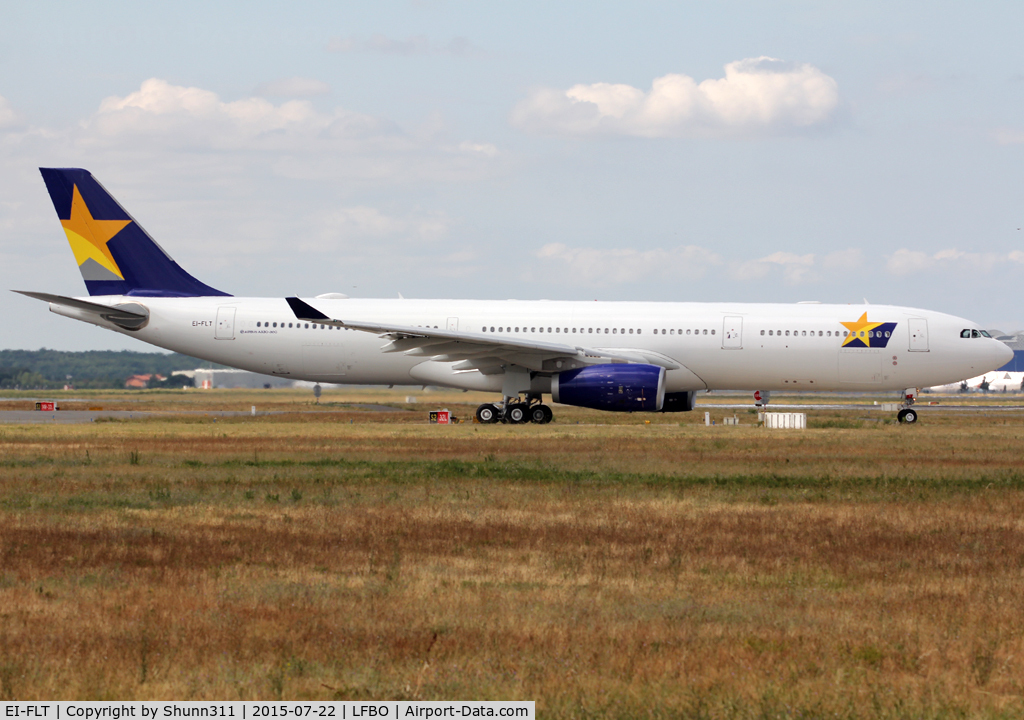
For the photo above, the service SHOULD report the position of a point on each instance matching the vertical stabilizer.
(115, 255)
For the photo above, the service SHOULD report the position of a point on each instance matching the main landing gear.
(515, 411)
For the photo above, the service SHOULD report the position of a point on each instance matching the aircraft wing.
(479, 351)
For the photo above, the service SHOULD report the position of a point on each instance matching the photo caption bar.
(244, 710)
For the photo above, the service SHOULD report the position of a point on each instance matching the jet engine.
(679, 401)
(619, 387)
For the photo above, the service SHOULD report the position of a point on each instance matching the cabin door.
(225, 329)
(732, 333)
(918, 335)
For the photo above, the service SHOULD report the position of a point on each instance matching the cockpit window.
(968, 333)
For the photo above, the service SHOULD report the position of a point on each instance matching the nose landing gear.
(907, 415)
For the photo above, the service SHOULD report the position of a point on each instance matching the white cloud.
(843, 260)
(757, 96)
(362, 223)
(796, 268)
(1008, 136)
(221, 182)
(597, 266)
(485, 149)
(413, 45)
(197, 118)
(292, 87)
(611, 266)
(905, 84)
(178, 124)
(904, 262)
(8, 118)
(907, 262)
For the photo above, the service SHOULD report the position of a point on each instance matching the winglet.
(305, 311)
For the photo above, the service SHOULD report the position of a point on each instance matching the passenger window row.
(300, 326)
(966, 333)
(589, 331)
(828, 333)
(581, 331)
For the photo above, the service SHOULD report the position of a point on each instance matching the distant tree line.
(50, 369)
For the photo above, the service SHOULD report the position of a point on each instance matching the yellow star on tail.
(89, 237)
(857, 327)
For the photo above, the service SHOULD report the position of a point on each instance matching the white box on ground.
(890, 407)
(785, 421)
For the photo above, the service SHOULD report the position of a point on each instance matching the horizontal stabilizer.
(130, 316)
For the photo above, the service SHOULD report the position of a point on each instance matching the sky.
(731, 151)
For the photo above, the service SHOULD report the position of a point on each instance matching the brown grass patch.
(601, 569)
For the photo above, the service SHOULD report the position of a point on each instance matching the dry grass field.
(600, 565)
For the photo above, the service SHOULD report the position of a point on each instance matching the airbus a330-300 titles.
(617, 356)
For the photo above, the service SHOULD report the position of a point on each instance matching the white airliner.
(619, 356)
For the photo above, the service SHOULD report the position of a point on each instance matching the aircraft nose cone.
(1004, 354)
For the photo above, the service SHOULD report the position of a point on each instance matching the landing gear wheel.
(907, 416)
(540, 414)
(516, 413)
(487, 414)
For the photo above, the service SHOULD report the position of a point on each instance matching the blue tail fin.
(116, 256)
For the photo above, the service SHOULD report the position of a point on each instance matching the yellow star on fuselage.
(89, 237)
(858, 327)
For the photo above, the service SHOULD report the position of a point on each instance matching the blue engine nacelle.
(617, 387)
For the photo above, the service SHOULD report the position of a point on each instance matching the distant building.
(225, 378)
(140, 382)
(1014, 341)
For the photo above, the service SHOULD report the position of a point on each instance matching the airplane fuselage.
(711, 346)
